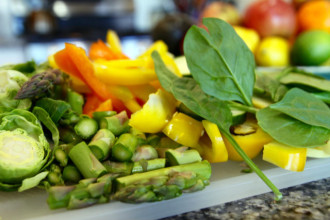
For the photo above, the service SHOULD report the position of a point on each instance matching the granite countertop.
(306, 201)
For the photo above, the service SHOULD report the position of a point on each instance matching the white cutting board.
(227, 184)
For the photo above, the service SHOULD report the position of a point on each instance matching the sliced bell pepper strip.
(251, 143)
(159, 46)
(86, 69)
(155, 113)
(99, 50)
(91, 103)
(184, 129)
(104, 106)
(212, 144)
(142, 91)
(284, 156)
(124, 76)
(63, 61)
(126, 96)
(114, 41)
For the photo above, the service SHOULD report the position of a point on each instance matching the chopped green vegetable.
(86, 128)
(11, 82)
(86, 162)
(102, 143)
(24, 150)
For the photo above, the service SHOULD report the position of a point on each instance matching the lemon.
(311, 48)
(249, 36)
(273, 51)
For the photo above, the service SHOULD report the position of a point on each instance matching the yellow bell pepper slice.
(76, 84)
(126, 96)
(123, 76)
(251, 144)
(113, 40)
(158, 45)
(155, 113)
(284, 156)
(212, 145)
(142, 91)
(184, 129)
(319, 152)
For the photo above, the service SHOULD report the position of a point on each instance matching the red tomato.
(271, 18)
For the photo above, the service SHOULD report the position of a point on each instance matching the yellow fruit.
(273, 51)
(249, 36)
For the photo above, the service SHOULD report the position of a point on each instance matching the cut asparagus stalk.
(88, 165)
(203, 169)
(101, 143)
(71, 174)
(124, 147)
(148, 165)
(117, 124)
(182, 156)
(165, 183)
(146, 152)
(76, 101)
(121, 168)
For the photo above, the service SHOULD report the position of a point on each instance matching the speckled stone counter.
(307, 201)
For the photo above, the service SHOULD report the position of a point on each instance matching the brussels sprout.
(10, 82)
(24, 150)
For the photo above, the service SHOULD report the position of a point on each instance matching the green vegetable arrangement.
(46, 141)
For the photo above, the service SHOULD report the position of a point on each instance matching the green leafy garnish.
(220, 61)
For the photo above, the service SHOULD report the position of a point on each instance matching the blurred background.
(33, 29)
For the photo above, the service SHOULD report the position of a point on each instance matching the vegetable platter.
(90, 131)
(228, 183)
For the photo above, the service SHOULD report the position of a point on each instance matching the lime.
(311, 48)
(272, 51)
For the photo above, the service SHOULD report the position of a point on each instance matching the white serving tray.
(227, 184)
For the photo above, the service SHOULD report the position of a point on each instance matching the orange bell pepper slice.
(99, 50)
(91, 103)
(86, 69)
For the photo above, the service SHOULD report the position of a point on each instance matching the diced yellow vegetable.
(155, 113)
(113, 41)
(212, 145)
(319, 152)
(284, 156)
(251, 144)
(260, 102)
(184, 129)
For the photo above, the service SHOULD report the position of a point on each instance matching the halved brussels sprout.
(24, 150)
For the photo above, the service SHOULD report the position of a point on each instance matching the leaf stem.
(239, 106)
(252, 165)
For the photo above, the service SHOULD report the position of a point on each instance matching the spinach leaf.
(267, 86)
(298, 79)
(324, 96)
(290, 131)
(187, 91)
(45, 119)
(220, 61)
(55, 108)
(304, 107)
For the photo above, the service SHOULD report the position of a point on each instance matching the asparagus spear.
(161, 184)
(87, 192)
(39, 84)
